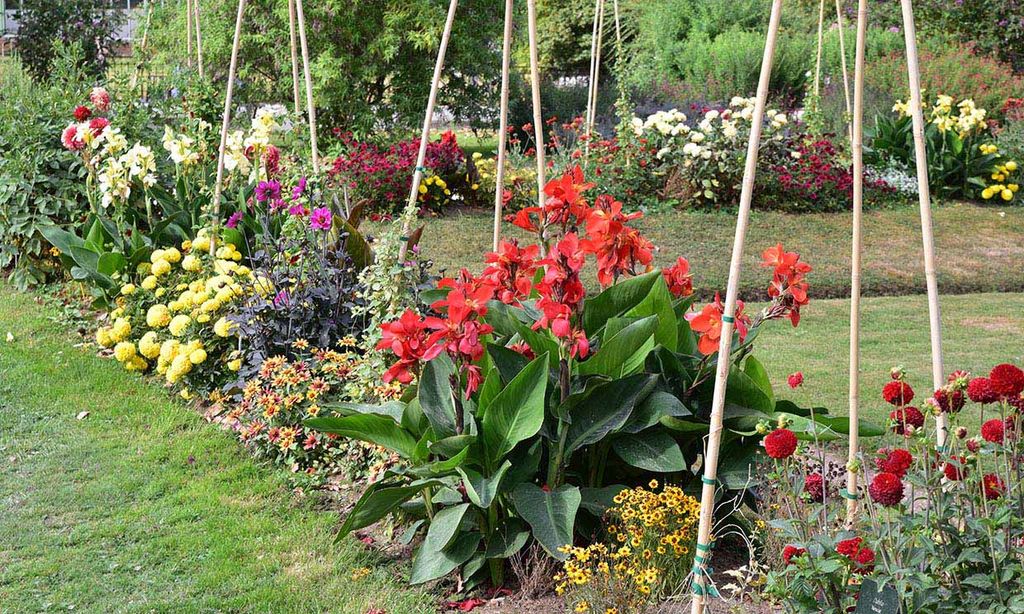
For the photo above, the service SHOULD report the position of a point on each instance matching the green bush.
(40, 181)
(371, 60)
(85, 22)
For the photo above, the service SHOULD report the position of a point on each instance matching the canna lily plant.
(529, 405)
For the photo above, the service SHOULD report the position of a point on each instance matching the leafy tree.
(371, 61)
(41, 22)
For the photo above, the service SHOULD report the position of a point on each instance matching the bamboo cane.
(618, 29)
(417, 176)
(817, 62)
(142, 47)
(596, 77)
(310, 107)
(842, 55)
(857, 147)
(593, 57)
(709, 480)
(295, 57)
(232, 67)
(199, 38)
(499, 179)
(924, 195)
(538, 118)
(188, 33)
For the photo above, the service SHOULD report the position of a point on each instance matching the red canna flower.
(409, 340)
(788, 289)
(510, 270)
(708, 324)
(679, 278)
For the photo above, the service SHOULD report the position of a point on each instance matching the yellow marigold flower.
(158, 316)
(203, 318)
(161, 268)
(124, 351)
(127, 289)
(178, 324)
(197, 357)
(185, 394)
(201, 244)
(222, 328)
(1007, 194)
(1011, 166)
(186, 245)
(103, 337)
(191, 264)
(236, 364)
(156, 256)
(171, 254)
(121, 329)
(149, 282)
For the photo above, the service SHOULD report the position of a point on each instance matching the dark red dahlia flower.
(886, 489)
(993, 431)
(898, 393)
(904, 417)
(896, 461)
(994, 487)
(780, 443)
(949, 400)
(791, 551)
(980, 390)
(955, 469)
(1007, 380)
(862, 557)
(814, 486)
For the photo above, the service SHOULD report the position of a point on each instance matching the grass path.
(143, 507)
(979, 248)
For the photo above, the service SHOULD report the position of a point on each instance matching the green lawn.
(142, 506)
(979, 248)
(979, 331)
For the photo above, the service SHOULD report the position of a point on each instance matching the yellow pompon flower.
(156, 256)
(149, 282)
(191, 264)
(236, 364)
(148, 345)
(222, 328)
(185, 394)
(127, 289)
(171, 254)
(161, 268)
(121, 329)
(201, 244)
(203, 318)
(1006, 194)
(158, 316)
(178, 324)
(124, 351)
(1011, 166)
(186, 245)
(197, 357)
(986, 193)
(103, 337)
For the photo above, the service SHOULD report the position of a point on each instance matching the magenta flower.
(298, 210)
(268, 190)
(299, 188)
(235, 218)
(320, 219)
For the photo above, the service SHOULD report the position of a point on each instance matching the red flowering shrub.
(886, 489)
(780, 443)
(383, 175)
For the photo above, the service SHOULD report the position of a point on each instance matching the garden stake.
(707, 503)
(310, 107)
(224, 125)
(295, 57)
(499, 179)
(817, 61)
(199, 39)
(924, 196)
(593, 56)
(857, 149)
(142, 47)
(417, 176)
(842, 56)
(595, 73)
(538, 121)
(188, 33)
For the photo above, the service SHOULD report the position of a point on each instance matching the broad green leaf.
(451, 446)
(624, 352)
(392, 409)
(658, 302)
(443, 527)
(482, 490)
(508, 538)
(606, 410)
(508, 362)
(110, 263)
(488, 390)
(841, 424)
(617, 300)
(684, 426)
(551, 515)
(380, 430)
(657, 404)
(743, 391)
(652, 450)
(379, 500)
(435, 395)
(759, 375)
(442, 467)
(517, 412)
(598, 500)
(429, 564)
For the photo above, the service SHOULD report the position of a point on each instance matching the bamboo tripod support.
(857, 149)
(817, 62)
(188, 33)
(710, 477)
(538, 119)
(226, 120)
(924, 197)
(199, 38)
(295, 56)
(499, 179)
(842, 55)
(595, 67)
(410, 209)
(142, 48)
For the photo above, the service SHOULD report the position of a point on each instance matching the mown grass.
(979, 248)
(979, 331)
(142, 506)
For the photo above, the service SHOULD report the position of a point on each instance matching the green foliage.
(87, 23)
(371, 61)
(992, 27)
(40, 181)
